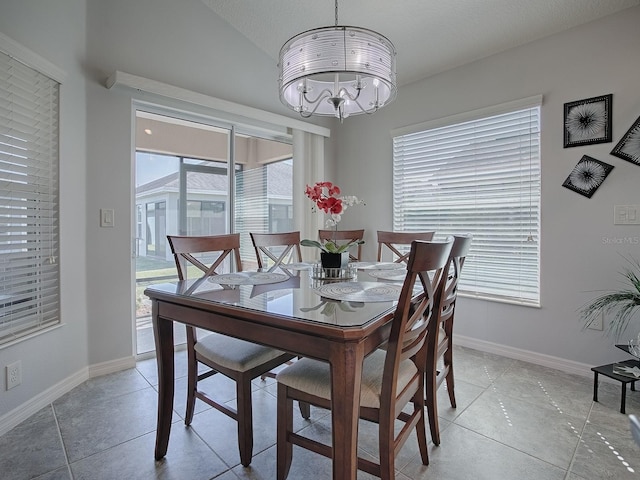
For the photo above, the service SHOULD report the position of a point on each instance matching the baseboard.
(561, 364)
(112, 366)
(19, 414)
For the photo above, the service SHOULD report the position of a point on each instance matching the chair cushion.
(233, 353)
(314, 377)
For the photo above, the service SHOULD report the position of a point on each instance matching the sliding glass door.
(195, 178)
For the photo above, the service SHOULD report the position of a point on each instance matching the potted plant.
(620, 305)
(326, 198)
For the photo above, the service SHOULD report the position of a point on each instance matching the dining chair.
(392, 378)
(398, 242)
(344, 236)
(441, 344)
(274, 250)
(236, 359)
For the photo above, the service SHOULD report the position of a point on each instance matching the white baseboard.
(16, 416)
(561, 364)
(112, 366)
(19, 414)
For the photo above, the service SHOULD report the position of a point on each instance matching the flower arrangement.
(623, 303)
(326, 198)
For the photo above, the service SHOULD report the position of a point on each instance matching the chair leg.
(305, 410)
(245, 420)
(192, 377)
(448, 361)
(451, 387)
(386, 441)
(431, 401)
(421, 432)
(285, 425)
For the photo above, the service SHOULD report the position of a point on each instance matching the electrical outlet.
(598, 323)
(14, 374)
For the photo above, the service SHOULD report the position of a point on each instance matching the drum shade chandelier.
(337, 71)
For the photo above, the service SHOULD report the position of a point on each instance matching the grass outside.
(151, 270)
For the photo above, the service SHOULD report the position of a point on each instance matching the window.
(479, 176)
(29, 237)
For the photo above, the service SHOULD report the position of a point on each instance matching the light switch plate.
(107, 217)
(626, 214)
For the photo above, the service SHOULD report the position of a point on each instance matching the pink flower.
(326, 197)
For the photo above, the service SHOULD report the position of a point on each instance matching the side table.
(607, 370)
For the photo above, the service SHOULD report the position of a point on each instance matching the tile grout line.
(575, 451)
(511, 366)
(64, 448)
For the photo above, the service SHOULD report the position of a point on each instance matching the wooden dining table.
(290, 316)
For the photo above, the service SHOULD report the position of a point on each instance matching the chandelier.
(337, 71)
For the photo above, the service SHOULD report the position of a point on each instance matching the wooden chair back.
(440, 338)
(425, 267)
(276, 249)
(395, 241)
(206, 253)
(459, 251)
(344, 236)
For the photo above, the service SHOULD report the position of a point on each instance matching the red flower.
(330, 205)
(326, 197)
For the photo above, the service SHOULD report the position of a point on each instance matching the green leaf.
(620, 305)
(331, 247)
(347, 246)
(311, 243)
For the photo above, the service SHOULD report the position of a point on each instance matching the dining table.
(300, 310)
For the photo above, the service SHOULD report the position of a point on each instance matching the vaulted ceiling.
(430, 36)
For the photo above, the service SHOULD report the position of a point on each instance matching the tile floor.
(514, 421)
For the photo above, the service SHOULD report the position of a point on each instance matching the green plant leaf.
(620, 306)
(347, 246)
(311, 243)
(331, 247)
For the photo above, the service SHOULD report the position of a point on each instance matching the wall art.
(587, 176)
(628, 148)
(587, 122)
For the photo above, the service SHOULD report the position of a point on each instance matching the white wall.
(599, 58)
(56, 32)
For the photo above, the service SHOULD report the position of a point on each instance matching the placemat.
(297, 266)
(360, 291)
(248, 278)
(379, 265)
(396, 274)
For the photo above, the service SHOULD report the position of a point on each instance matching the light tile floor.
(514, 420)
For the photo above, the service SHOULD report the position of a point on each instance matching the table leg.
(346, 376)
(595, 386)
(623, 399)
(163, 334)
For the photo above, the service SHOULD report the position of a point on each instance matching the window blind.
(29, 237)
(480, 177)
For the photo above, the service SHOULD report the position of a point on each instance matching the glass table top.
(296, 294)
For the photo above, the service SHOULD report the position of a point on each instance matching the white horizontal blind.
(29, 273)
(480, 177)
